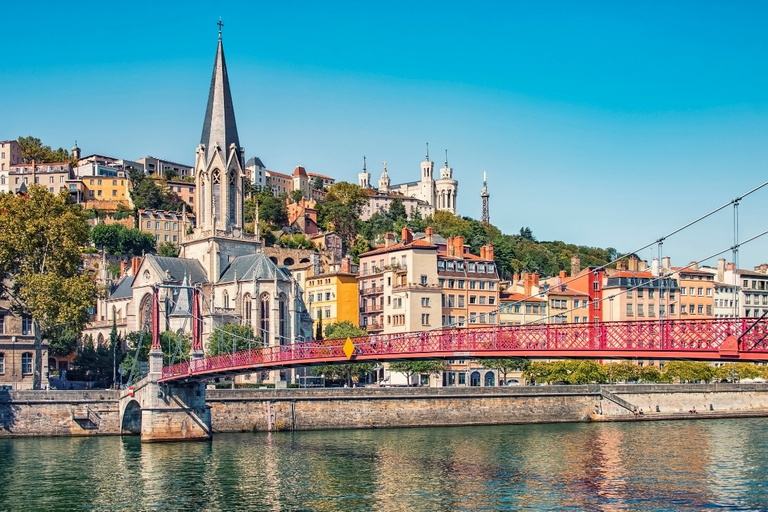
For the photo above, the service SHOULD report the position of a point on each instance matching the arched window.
(232, 196)
(264, 318)
(100, 340)
(225, 299)
(203, 198)
(288, 262)
(216, 191)
(247, 309)
(145, 307)
(282, 309)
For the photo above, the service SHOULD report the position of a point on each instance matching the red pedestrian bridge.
(724, 339)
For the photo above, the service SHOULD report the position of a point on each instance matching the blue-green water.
(682, 465)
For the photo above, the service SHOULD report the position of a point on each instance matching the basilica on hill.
(239, 283)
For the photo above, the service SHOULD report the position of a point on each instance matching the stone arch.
(273, 259)
(225, 299)
(145, 310)
(474, 378)
(490, 379)
(131, 419)
(304, 260)
(100, 340)
(288, 262)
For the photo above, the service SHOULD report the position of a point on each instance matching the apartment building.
(333, 296)
(279, 183)
(635, 292)
(165, 226)
(51, 175)
(398, 286)
(523, 301)
(697, 292)
(17, 351)
(10, 154)
(469, 284)
(185, 190)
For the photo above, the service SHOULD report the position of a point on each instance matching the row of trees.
(32, 148)
(587, 371)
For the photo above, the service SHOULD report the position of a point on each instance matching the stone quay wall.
(96, 412)
(59, 413)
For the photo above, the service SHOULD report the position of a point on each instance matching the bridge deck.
(715, 339)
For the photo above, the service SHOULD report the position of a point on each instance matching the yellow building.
(106, 188)
(333, 296)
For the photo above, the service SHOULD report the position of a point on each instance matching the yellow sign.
(349, 348)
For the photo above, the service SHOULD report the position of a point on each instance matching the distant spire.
(219, 127)
(364, 169)
(485, 195)
(427, 151)
(446, 158)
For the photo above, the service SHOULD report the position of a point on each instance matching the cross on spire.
(220, 24)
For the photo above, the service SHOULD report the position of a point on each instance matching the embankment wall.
(69, 413)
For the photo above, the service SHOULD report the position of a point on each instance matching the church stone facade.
(238, 282)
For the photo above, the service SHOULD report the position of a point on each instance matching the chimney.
(135, 263)
(731, 267)
(407, 236)
(515, 278)
(762, 268)
(389, 239)
(693, 266)
(482, 252)
(632, 263)
(124, 266)
(666, 263)
(346, 265)
(449, 246)
(527, 284)
(458, 249)
(721, 270)
(642, 266)
(536, 278)
(621, 265)
(563, 275)
(575, 265)
(655, 267)
(488, 252)
(430, 235)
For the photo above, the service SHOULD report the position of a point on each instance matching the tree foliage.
(175, 349)
(230, 338)
(506, 366)
(348, 373)
(41, 236)
(119, 240)
(297, 241)
(568, 371)
(411, 368)
(688, 371)
(343, 330)
(32, 148)
(168, 250)
(150, 193)
(341, 210)
(272, 209)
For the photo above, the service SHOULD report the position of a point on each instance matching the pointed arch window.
(232, 196)
(225, 299)
(264, 318)
(282, 310)
(216, 192)
(247, 309)
(203, 198)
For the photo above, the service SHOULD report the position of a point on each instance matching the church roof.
(123, 289)
(253, 266)
(219, 126)
(178, 268)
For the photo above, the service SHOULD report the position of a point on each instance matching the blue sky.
(600, 123)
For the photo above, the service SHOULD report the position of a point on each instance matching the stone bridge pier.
(165, 412)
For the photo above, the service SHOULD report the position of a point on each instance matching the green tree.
(229, 338)
(623, 371)
(360, 246)
(168, 250)
(688, 371)
(650, 374)
(527, 234)
(32, 148)
(397, 210)
(272, 210)
(297, 241)
(411, 368)
(341, 210)
(317, 183)
(41, 236)
(737, 371)
(343, 330)
(63, 340)
(119, 240)
(93, 363)
(297, 195)
(175, 349)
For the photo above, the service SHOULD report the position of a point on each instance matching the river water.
(675, 465)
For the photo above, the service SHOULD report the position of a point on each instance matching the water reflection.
(595, 467)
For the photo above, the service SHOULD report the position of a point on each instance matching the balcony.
(374, 327)
(372, 291)
(372, 309)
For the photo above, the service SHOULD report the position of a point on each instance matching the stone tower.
(446, 189)
(384, 181)
(485, 195)
(427, 184)
(364, 178)
(219, 172)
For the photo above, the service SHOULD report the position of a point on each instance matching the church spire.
(219, 127)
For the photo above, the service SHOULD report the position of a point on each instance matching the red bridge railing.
(668, 339)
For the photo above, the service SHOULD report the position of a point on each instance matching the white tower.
(364, 178)
(384, 181)
(427, 184)
(446, 189)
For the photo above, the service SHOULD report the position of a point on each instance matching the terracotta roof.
(315, 175)
(279, 175)
(416, 244)
(555, 290)
(692, 271)
(518, 297)
(629, 273)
